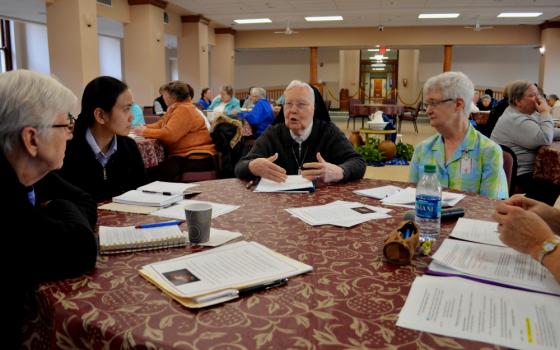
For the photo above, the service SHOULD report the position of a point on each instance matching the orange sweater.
(182, 130)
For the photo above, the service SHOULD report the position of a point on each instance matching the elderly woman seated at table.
(465, 159)
(183, 131)
(101, 159)
(314, 148)
(47, 220)
(262, 115)
(225, 103)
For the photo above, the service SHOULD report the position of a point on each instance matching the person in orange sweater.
(182, 130)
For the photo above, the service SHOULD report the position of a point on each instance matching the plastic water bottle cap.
(429, 168)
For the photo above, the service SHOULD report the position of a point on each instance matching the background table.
(368, 132)
(350, 300)
(151, 150)
(547, 163)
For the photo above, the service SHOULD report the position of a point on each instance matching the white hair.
(298, 83)
(259, 92)
(452, 85)
(30, 99)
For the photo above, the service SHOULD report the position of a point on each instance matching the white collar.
(304, 136)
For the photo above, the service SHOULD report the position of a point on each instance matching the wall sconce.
(404, 82)
(158, 36)
(542, 50)
(203, 48)
(88, 19)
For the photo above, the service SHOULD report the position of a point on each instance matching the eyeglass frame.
(70, 125)
(434, 104)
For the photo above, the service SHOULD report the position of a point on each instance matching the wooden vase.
(356, 139)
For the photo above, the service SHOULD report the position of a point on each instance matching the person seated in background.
(495, 113)
(476, 97)
(490, 93)
(182, 130)
(485, 103)
(465, 159)
(524, 126)
(160, 107)
(49, 221)
(554, 104)
(101, 159)
(205, 98)
(262, 115)
(137, 115)
(225, 103)
(531, 227)
(305, 145)
(248, 103)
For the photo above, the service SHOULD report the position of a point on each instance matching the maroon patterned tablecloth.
(547, 163)
(151, 150)
(350, 300)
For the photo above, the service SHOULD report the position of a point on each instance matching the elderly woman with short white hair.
(46, 219)
(465, 159)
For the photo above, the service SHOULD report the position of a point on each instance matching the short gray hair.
(30, 99)
(298, 83)
(259, 92)
(516, 90)
(452, 85)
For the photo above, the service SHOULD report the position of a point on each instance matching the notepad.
(293, 184)
(136, 197)
(114, 240)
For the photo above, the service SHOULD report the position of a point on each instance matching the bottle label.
(428, 207)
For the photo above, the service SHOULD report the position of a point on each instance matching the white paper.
(231, 266)
(407, 198)
(136, 197)
(465, 309)
(128, 208)
(379, 192)
(339, 213)
(501, 264)
(166, 187)
(177, 211)
(292, 184)
(112, 236)
(480, 231)
(219, 237)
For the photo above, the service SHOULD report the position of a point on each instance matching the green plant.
(405, 151)
(370, 152)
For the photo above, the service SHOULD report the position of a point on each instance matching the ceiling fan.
(477, 27)
(287, 31)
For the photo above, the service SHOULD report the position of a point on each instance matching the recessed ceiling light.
(438, 15)
(519, 14)
(252, 20)
(323, 18)
(378, 65)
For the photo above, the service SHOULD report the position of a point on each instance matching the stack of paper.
(177, 211)
(379, 192)
(407, 198)
(126, 239)
(339, 213)
(294, 183)
(166, 187)
(473, 230)
(221, 274)
(136, 197)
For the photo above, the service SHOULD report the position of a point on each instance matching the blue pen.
(159, 224)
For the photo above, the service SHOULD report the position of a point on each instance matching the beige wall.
(409, 61)
(550, 62)
(193, 55)
(366, 37)
(118, 11)
(223, 62)
(350, 72)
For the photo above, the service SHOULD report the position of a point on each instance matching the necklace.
(299, 164)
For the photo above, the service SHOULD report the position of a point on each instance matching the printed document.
(339, 213)
(480, 231)
(379, 192)
(294, 183)
(465, 309)
(496, 264)
(177, 211)
(166, 187)
(407, 197)
(136, 197)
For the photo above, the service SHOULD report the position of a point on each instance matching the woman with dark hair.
(101, 158)
(205, 98)
(183, 131)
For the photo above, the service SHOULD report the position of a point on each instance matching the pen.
(160, 224)
(263, 286)
(164, 193)
(250, 184)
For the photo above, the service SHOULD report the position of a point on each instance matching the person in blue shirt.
(205, 98)
(262, 115)
(137, 115)
(225, 103)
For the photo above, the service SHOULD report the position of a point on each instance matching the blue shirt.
(203, 103)
(137, 115)
(102, 158)
(260, 117)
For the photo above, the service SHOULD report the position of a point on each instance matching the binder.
(114, 240)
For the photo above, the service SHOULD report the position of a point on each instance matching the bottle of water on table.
(428, 208)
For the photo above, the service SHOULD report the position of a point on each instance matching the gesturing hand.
(139, 130)
(322, 170)
(265, 168)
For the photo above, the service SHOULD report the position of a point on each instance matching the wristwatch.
(547, 248)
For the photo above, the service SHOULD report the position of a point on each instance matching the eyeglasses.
(434, 104)
(299, 105)
(69, 125)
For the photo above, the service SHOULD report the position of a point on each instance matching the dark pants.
(173, 167)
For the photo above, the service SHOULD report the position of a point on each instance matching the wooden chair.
(410, 114)
(510, 168)
(210, 173)
(355, 112)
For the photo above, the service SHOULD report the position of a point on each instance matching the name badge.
(466, 164)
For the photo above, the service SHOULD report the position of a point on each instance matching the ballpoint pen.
(164, 193)
(160, 224)
(263, 286)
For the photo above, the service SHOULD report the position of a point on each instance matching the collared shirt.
(475, 166)
(306, 133)
(102, 158)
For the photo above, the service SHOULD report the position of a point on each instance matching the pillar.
(447, 57)
(223, 59)
(192, 53)
(349, 75)
(408, 85)
(549, 69)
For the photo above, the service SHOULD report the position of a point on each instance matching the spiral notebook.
(113, 240)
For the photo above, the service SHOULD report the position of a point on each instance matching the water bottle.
(428, 208)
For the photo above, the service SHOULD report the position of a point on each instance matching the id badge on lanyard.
(466, 163)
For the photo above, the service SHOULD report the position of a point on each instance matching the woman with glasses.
(48, 221)
(101, 158)
(465, 159)
(225, 103)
